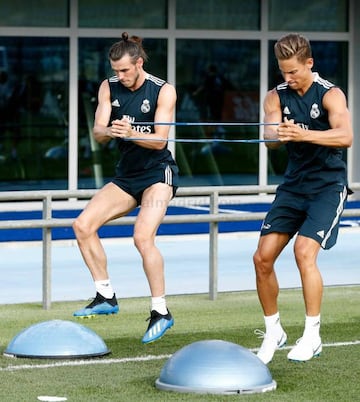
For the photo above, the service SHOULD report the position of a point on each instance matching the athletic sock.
(273, 325)
(159, 304)
(312, 326)
(104, 288)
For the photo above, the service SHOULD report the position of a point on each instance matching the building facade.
(53, 56)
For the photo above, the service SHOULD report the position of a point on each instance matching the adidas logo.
(155, 329)
(321, 233)
(115, 103)
(286, 110)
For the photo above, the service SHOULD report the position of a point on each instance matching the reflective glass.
(320, 15)
(33, 113)
(97, 162)
(217, 81)
(34, 13)
(125, 13)
(213, 14)
(331, 62)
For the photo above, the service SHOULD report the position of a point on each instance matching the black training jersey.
(137, 106)
(311, 168)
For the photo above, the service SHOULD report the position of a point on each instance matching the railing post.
(213, 247)
(46, 261)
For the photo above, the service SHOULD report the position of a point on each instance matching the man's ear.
(140, 62)
(310, 63)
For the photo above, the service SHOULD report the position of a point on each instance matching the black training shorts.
(135, 184)
(316, 216)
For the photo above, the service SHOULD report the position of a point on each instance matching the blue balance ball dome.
(56, 339)
(215, 367)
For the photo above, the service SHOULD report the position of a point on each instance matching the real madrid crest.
(314, 112)
(145, 107)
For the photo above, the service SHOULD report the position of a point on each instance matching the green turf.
(232, 317)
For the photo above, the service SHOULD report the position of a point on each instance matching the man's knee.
(81, 227)
(143, 241)
(305, 251)
(263, 264)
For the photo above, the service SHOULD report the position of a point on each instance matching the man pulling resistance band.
(315, 128)
(146, 176)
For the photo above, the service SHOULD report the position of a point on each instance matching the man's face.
(297, 74)
(127, 72)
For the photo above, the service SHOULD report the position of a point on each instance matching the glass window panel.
(129, 13)
(97, 162)
(331, 62)
(320, 15)
(34, 113)
(34, 13)
(213, 14)
(218, 83)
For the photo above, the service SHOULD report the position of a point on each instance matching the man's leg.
(110, 202)
(309, 345)
(269, 248)
(154, 204)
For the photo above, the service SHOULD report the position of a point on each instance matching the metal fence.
(211, 195)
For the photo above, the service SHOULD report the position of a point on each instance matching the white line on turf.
(88, 362)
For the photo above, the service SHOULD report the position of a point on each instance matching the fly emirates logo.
(144, 129)
(303, 126)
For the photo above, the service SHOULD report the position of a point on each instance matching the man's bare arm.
(273, 114)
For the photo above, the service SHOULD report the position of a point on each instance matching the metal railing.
(211, 195)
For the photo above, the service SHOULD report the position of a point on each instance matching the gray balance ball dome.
(56, 339)
(215, 367)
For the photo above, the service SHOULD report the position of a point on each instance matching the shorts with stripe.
(136, 183)
(315, 215)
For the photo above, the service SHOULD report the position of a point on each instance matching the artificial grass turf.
(232, 317)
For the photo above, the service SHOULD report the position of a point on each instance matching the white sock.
(312, 325)
(159, 304)
(272, 324)
(104, 288)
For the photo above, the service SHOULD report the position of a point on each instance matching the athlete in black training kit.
(315, 127)
(146, 176)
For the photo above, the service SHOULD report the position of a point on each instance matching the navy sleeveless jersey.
(138, 106)
(311, 168)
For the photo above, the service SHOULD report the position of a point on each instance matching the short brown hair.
(293, 45)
